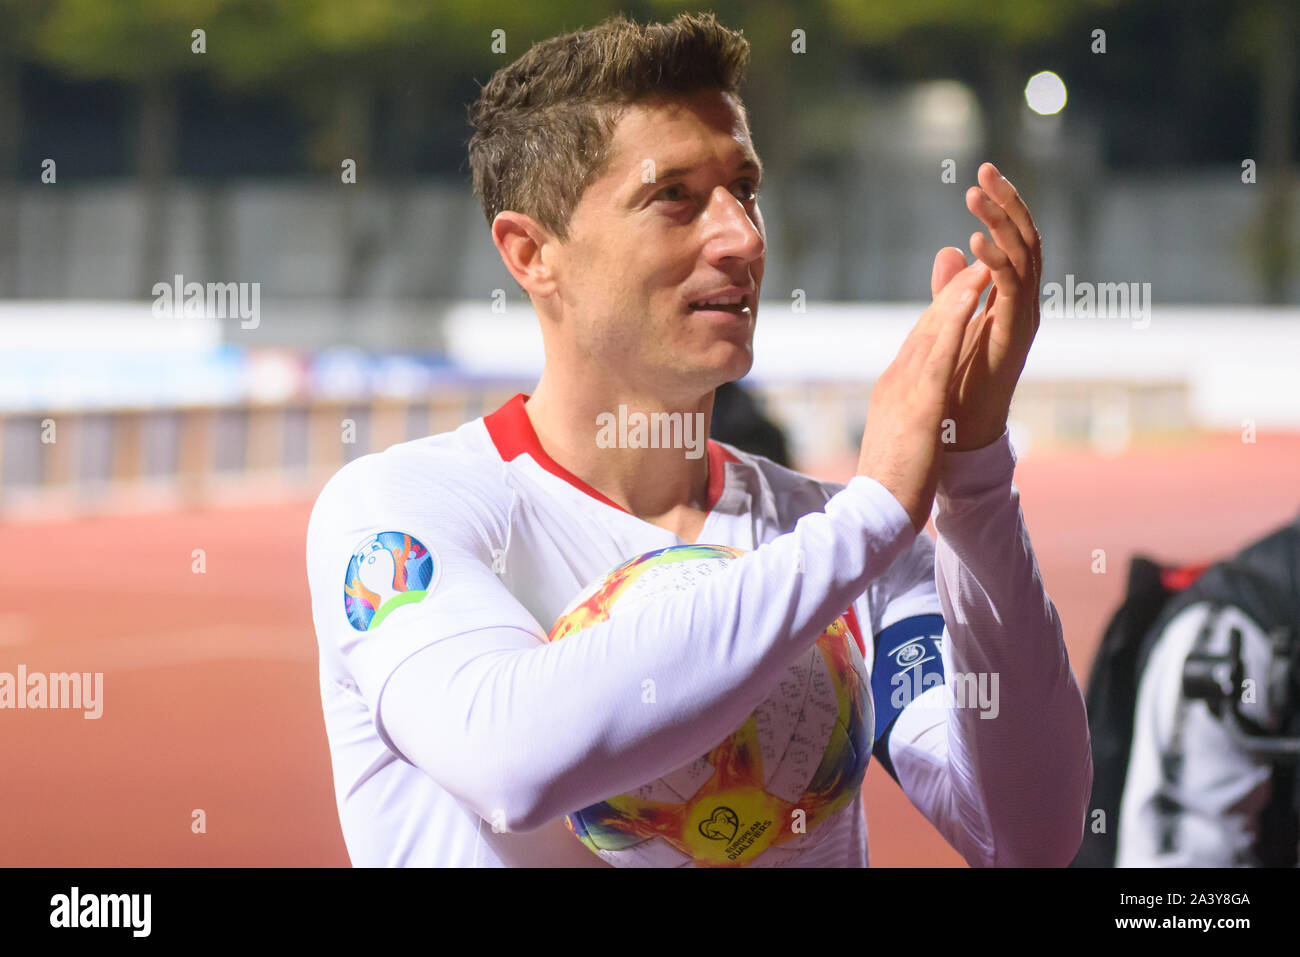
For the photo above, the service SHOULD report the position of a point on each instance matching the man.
(616, 170)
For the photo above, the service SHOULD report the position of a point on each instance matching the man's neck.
(600, 436)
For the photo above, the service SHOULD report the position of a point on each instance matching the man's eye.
(746, 191)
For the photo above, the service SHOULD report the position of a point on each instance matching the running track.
(210, 688)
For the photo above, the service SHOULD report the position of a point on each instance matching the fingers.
(975, 330)
(973, 343)
(973, 277)
(942, 327)
(1000, 190)
(947, 263)
(1011, 255)
(942, 361)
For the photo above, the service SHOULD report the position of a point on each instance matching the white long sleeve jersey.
(459, 737)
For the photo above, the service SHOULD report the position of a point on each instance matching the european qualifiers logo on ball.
(387, 571)
(721, 826)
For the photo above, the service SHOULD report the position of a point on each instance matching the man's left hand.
(997, 343)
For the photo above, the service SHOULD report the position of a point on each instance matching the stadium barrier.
(76, 461)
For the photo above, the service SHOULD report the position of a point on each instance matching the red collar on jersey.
(513, 434)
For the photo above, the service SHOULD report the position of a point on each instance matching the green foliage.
(1006, 23)
(21, 19)
(136, 41)
(253, 43)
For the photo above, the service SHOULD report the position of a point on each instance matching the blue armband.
(908, 662)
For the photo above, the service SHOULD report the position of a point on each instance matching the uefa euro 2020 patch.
(387, 571)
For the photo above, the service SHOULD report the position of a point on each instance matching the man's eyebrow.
(751, 164)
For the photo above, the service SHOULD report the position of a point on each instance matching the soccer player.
(616, 170)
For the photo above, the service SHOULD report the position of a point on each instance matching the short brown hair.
(543, 124)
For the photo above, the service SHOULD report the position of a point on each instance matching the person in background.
(1211, 778)
(738, 420)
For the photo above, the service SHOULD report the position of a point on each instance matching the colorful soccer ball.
(764, 795)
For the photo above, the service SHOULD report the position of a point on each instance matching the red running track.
(210, 688)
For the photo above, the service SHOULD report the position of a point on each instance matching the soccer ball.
(764, 795)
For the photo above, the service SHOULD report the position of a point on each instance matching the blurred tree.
(147, 45)
(348, 65)
(1266, 35)
(336, 60)
(999, 34)
(1167, 85)
(21, 18)
(385, 82)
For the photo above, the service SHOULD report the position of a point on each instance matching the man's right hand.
(901, 444)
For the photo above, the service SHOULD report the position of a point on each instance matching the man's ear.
(520, 240)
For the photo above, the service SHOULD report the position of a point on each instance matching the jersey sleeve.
(1193, 796)
(996, 755)
(907, 628)
(462, 684)
(368, 523)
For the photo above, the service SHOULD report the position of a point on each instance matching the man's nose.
(737, 235)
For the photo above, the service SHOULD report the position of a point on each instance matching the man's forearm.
(1029, 761)
(1006, 773)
